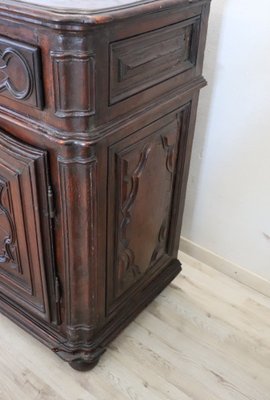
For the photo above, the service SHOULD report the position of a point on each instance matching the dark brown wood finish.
(97, 115)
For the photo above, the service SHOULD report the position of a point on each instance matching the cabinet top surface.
(82, 5)
(87, 7)
(85, 11)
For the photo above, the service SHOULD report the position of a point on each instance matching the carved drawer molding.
(20, 73)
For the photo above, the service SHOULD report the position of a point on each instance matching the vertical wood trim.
(79, 219)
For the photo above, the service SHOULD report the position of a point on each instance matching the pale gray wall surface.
(228, 199)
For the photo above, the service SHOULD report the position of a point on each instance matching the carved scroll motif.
(162, 236)
(6, 83)
(127, 269)
(20, 73)
(126, 259)
(7, 229)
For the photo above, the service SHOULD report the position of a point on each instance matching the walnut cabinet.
(97, 112)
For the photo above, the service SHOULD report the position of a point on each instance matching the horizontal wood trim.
(67, 18)
(225, 266)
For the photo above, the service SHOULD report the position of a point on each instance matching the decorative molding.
(22, 267)
(80, 333)
(8, 249)
(77, 160)
(74, 83)
(126, 258)
(213, 260)
(81, 249)
(6, 83)
(162, 236)
(170, 165)
(24, 85)
(133, 191)
(170, 150)
(145, 60)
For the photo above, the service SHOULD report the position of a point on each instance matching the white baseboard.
(219, 263)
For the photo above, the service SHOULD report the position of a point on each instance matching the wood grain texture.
(83, 4)
(80, 20)
(137, 246)
(101, 185)
(23, 182)
(77, 96)
(205, 337)
(84, 10)
(143, 61)
(20, 72)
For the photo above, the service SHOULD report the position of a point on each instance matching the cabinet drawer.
(140, 62)
(20, 73)
(25, 240)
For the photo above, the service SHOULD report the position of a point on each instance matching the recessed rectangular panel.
(140, 62)
(74, 83)
(141, 184)
(23, 221)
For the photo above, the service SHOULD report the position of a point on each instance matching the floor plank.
(206, 337)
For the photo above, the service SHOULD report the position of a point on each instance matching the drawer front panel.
(141, 185)
(143, 61)
(23, 219)
(20, 73)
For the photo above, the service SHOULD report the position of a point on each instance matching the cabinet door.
(141, 185)
(25, 242)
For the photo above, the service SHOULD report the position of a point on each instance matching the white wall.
(228, 199)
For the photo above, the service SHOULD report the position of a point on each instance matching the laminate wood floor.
(206, 337)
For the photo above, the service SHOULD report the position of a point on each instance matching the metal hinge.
(51, 203)
(57, 290)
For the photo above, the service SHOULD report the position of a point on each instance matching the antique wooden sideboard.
(98, 102)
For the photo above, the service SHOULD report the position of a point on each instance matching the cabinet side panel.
(143, 178)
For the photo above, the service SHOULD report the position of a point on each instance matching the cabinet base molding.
(85, 357)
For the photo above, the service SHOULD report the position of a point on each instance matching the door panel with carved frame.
(141, 187)
(26, 256)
